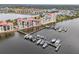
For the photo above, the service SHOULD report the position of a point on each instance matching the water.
(11, 16)
(47, 6)
(70, 41)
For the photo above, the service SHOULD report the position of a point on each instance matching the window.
(8, 27)
(23, 23)
(27, 24)
(5, 28)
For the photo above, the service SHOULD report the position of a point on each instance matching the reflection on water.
(6, 36)
(70, 40)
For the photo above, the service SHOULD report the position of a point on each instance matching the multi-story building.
(31, 22)
(27, 23)
(23, 10)
(48, 18)
(67, 12)
(6, 26)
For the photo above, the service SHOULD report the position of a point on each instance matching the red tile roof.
(28, 19)
(4, 23)
(51, 14)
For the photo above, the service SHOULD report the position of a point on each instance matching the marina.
(17, 44)
(41, 40)
(31, 30)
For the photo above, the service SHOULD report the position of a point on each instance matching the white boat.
(37, 37)
(30, 37)
(42, 37)
(65, 29)
(60, 29)
(53, 40)
(57, 42)
(26, 36)
(45, 45)
(42, 42)
(38, 42)
(34, 39)
(57, 48)
(47, 26)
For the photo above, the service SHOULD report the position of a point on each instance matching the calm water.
(13, 16)
(70, 40)
(47, 6)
